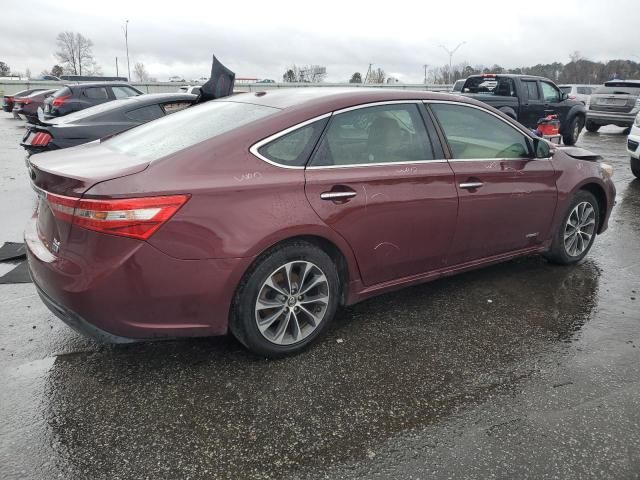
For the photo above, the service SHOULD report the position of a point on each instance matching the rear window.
(566, 89)
(618, 90)
(186, 128)
(63, 92)
(490, 86)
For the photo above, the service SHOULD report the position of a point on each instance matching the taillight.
(41, 139)
(58, 102)
(131, 217)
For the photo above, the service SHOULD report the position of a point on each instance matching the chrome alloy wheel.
(292, 302)
(579, 229)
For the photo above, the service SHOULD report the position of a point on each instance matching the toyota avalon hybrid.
(262, 213)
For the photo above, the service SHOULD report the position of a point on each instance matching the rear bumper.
(611, 118)
(117, 289)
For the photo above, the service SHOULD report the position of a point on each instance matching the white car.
(633, 146)
(582, 93)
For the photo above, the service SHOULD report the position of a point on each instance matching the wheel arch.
(601, 197)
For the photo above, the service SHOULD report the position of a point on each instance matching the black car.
(102, 120)
(74, 97)
(9, 100)
(527, 99)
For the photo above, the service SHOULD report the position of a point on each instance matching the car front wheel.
(575, 235)
(286, 300)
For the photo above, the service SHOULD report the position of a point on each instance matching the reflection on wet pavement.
(399, 382)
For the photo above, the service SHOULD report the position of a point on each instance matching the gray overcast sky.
(259, 39)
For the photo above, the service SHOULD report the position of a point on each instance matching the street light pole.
(451, 52)
(126, 43)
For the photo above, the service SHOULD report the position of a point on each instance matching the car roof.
(97, 84)
(335, 98)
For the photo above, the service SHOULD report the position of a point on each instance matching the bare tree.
(140, 72)
(75, 54)
(27, 73)
(305, 74)
(377, 75)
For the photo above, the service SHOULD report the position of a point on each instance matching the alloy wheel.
(579, 229)
(292, 302)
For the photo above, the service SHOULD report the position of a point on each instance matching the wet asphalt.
(521, 370)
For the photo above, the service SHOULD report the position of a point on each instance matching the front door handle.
(471, 185)
(337, 195)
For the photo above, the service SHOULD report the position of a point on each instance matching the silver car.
(617, 102)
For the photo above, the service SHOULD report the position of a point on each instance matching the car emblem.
(55, 246)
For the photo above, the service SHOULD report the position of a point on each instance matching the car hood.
(580, 153)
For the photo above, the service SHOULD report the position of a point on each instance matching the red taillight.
(41, 139)
(489, 75)
(58, 102)
(131, 217)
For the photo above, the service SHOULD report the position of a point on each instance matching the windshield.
(618, 90)
(186, 128)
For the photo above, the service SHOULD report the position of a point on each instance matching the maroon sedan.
(262, 213)
(28, 105)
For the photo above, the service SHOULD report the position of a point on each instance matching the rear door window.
(474, 134)
(392, 133)
(173, 107)
(96, 93)
(294, 148)
(531, 87)
(145, 114)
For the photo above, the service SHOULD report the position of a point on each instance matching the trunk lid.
(65, 175)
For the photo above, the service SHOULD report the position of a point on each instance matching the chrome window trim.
(378, 164)
(256, 146)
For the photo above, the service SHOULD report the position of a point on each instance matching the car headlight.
(606, 169)
(637, 121)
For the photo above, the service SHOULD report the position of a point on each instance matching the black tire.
(243, 319)
(591, 127)
(626, 131)
(635, 167)
(573, 132)
(559, 253)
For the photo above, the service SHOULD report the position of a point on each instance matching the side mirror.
(542, 148)
(564, 96)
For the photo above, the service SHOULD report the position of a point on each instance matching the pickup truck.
(527, 99)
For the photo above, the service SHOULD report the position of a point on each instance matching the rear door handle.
(337, 195)
(471, 185)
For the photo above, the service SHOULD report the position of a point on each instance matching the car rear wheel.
(286, 300)
(635, 167)
(575, 127)
(575, 235)
(591, 127)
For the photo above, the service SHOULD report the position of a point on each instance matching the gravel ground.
(521, 370)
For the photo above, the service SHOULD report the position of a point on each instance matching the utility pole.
(451, 52)
(425, 73)
(368, 73)
(126, 43)
(117, 71)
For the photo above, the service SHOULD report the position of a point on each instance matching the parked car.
(102, 120)
(78, 96)
(264, 213)
(192, 89)
(457, 86)
(527, 99)
(28, 105)
(615, 103)
(8, 100)
(266, 80)
(581, 93)
(633, 146)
